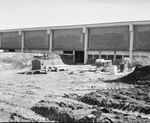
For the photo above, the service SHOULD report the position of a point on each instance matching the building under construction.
(83, 42)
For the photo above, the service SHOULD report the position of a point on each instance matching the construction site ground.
(76, 95)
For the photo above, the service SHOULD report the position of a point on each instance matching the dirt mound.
(143, 61)
(119, 102)
(15, 60)
(139, 74)
(67, 59)
(116, 100)
(54, 59)
(67, 110)
(105, 106)
(22, 60)
(64, 110)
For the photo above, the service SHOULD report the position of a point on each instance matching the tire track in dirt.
(62, 109)
(22, 113)
(115, 101)
(112, 105)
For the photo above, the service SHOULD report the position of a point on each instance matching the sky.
(41, 13)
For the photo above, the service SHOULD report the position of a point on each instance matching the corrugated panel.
(36, 39)
(68, 39)
(10, 40)
(109, 38)
(142, 37)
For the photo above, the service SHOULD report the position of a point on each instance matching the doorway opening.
(11, 50)
(79, 56)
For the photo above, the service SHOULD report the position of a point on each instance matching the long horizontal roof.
(125, 23)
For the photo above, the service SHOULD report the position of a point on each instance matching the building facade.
(84, 42)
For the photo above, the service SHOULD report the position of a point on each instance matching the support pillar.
(100, 54)
(131, 41)
(85, 33)
(21, 35)
(74, 56)
(50, 39)
(0, 40)
(114, 60)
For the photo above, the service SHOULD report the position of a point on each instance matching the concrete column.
(85, 32)
(50, 39)
(21, 35)
(0, 40)
(131, 41)
(74, 56)
(100, 54)
(114, 60)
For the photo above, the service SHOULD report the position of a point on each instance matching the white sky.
(40, 13)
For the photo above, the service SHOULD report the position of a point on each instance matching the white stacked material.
(113, 69)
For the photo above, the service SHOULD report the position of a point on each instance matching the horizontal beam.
(127, 23)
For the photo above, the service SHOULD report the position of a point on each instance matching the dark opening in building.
(67, 52)
(11, 50)
(144, 56)
(118, 56)
(104, 56)
(96, 56)
(90, 56)
(110, 57)
(127, 56)
(79, 56)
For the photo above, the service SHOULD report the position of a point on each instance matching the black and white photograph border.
(75, 61)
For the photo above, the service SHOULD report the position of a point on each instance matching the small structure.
(38, 65)
(99, 63)
(102, 64)
(107, 63)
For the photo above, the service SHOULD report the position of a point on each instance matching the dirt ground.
(75, 95)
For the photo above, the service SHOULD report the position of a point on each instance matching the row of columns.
(85, 34)
(21, 36)
(50, 38)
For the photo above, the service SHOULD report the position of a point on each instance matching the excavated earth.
(76, 95)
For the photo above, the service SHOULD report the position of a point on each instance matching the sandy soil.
(22, 96)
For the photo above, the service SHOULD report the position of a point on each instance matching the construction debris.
(103, 65)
